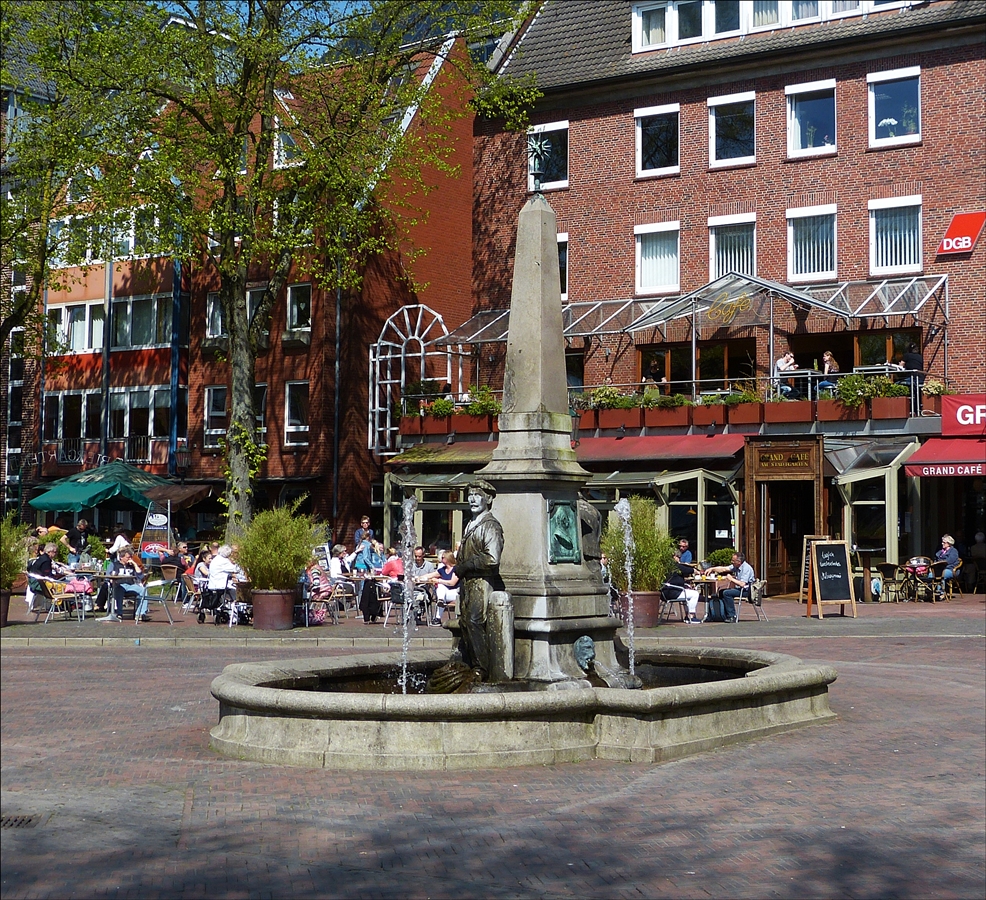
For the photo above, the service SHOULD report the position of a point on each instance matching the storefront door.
(789, 517)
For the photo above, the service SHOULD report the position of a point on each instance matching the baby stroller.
(225, 606)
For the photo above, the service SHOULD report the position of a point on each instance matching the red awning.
(663, 448)
(659, 447)
(948, 456)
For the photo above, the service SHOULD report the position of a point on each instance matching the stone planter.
(646, 608)
(890, 407)
(432, 425)
(708, 415)
(273, 610)
(614, 418)
(834, 411)
(466, 424)
(746, 414)
(931, 405)
(668, 418)
(789, 411)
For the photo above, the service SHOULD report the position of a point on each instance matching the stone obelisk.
(556, 597)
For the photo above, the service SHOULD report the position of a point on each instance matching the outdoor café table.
(811, 377)
(708, 586)
(98, 577)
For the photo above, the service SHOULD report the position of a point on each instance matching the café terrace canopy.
(733, 299)
(116, 480)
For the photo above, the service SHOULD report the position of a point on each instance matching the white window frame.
(280, 156)
(130, 235)
(875, 78)
(715, 222)
(261, 411)
(896, 203)
(56, 258)
(654, 228)
(724, 100)
(806, 212)
(289, 429)
(211, 436)
(546, 128)
(562, 238)
(647, 112)
(212, 302)
(61, 311)
(791, 92)
(129, 301)
(291, 306)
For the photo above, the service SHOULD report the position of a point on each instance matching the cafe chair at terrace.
(192, 595)
(753, 595)
(942, 588)
(670, 602)
(892, 580)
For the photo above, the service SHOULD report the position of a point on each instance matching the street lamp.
(183, 459)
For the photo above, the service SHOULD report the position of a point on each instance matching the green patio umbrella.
(87, 489)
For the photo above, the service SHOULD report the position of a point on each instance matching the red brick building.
(733, 180)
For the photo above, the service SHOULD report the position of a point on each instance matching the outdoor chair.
(669, 602)
(192, 595)
(892, 579)
(753, 595)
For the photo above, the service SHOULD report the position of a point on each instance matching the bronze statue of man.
(478, 568)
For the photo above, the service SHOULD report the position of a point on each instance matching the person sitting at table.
(224, 574)
(950, 556)
(446, 587)
(740, 574)
(423, 572)
(127, 580)
(42, 569)
(830, 369)
(200, 569)
(783, 365)
(675, 587)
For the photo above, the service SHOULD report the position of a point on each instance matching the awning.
(665, 448)
(948, 456)
(181, 496)
(92, 487)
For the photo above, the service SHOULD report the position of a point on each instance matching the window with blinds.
(733, 249)
(657, 258)
(811, 244)
(895, 236)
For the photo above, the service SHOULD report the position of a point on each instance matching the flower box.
(434, 425)
(931, 404)
(667, 418)
(411, 424)
(709, 415)
(746, 414)
(614, 418)
(789, 411)
(463, 423)
(890, 407)
(834, 411)
(588, 420)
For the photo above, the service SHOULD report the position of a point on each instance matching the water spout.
(623, 511)
(408, 540)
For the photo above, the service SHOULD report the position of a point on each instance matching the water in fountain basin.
(623, 511)
(408, 542)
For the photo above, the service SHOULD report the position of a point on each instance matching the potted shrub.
(614, 408)
(932, 391)
(777, 409)
(13, 560)
(744, 408)
(480, 413)
(652, 560)
(436, 415)
(274, 550)
(890, 400)
(661, 411)
(849, 402)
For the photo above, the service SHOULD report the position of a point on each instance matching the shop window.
(894, 107)
(552, 138)
(732, 133)
(657, 140)
(811, 118)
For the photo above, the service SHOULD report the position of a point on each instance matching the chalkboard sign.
(832, 576)
(804, 589)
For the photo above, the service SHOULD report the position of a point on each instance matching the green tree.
(286, 125)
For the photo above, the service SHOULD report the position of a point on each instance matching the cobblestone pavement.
(105, 742)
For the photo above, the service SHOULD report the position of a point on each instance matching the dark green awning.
(91, 487)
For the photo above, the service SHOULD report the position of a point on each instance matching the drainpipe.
(175, 333)
(104, 433)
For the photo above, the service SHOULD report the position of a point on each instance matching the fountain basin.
(275, 712)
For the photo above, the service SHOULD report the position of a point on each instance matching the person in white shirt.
(224, 573)
(785, 364)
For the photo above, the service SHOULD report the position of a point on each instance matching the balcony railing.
(137, 448)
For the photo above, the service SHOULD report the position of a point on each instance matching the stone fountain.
(556, 690)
